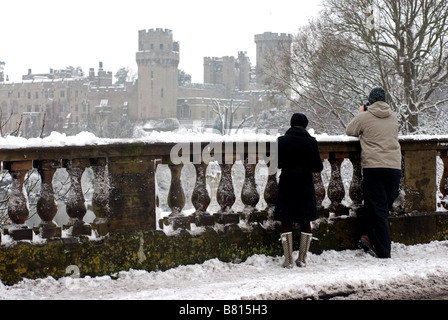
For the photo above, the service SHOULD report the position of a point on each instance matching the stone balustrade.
(125, 188)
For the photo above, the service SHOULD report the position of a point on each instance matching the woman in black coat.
(298, 158)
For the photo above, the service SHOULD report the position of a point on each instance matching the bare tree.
(226, 116)
(356, 45)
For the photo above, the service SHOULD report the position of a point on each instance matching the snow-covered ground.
(417, 271)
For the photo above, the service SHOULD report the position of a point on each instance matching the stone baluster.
(75, 206)
(46, 205)
(444, 179)
(17, 205)
(249, 193)
(270, 193)
(176, 195)
(200, 197)
(226, 196)
(336, 191)
(319, 187)
(355, 191)
(226, 193)
(176, 198)
(100, 197)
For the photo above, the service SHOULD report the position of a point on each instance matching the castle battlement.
(157, 40)
(271, 36)
(156, 30)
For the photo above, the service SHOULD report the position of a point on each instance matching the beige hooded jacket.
(377, 129)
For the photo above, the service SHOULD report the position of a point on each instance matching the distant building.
(69, 101)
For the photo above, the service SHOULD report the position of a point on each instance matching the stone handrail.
(125, 187)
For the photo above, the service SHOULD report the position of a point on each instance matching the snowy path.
(349, 274)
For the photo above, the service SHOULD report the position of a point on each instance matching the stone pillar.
(444, 179)
(420, 184)
(132, 196)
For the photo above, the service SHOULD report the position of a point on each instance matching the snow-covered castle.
(67, 102)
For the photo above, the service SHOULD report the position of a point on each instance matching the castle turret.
(157, 60)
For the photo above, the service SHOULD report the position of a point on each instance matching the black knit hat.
(299, 120)
(377, 94)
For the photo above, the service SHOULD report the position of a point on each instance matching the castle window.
(161, 92)
(62, 94)
(29, 95)
(185, 111)
(161, 46)
(152, 46)
(15, 108)
(36, 95)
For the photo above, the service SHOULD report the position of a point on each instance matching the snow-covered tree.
(354, 46)
(275, 118)
(224, 122)
(75, 71)
(121, 76)
(183, 78)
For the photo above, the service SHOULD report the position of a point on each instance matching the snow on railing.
(148, 184)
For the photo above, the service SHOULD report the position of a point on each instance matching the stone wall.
(128, 232)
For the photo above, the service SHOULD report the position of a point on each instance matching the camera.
(366, 106)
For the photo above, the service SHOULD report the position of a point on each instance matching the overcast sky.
(44, 34)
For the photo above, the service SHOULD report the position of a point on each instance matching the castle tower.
(243, 71)
(269, 43)
(228, 71)
(157, 60)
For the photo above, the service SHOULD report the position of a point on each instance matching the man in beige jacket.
(377, 128)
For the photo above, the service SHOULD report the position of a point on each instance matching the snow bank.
(349, 274)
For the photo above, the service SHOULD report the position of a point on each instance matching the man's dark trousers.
(380, 188)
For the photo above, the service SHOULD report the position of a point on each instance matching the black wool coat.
(298, 158)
